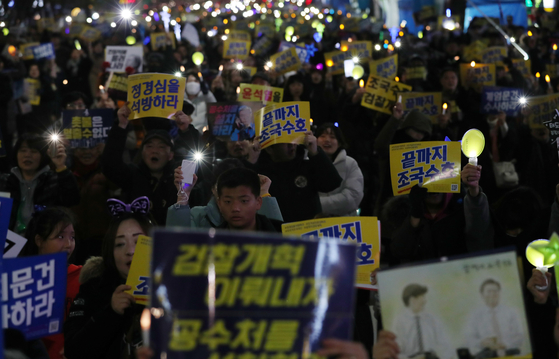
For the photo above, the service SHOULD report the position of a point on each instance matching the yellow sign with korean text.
(524, 66)
(552, 70)
(239, 35)
(160, 40)
(387, 67)
(285, 122)
(236, 49)
(155, 95)
(27, 50)
(89, 34)
(381, 93)
(32, 87)
(266, 29)
(139, 277)
(361, 49)
(335, 62)
(541, 110)
(494, 55)
(258, 93)
(285, 61)
(416, 73)
(434, 165)
(478, 76)
(474, 51)
(428, 103)
(364, 231)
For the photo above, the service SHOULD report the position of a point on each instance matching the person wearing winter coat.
(104, 320)
(32, 182)
(344, 200)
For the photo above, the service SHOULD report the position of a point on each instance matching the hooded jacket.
(136, 180)
(93, 330)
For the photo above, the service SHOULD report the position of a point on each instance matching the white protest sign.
(121, 57)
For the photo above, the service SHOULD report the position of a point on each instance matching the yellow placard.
(32, 87)
(494, 55)
(89, 34)
(434, 165)
(139, 277)
(542, 109)
(258, 93)
(387, 67)
(381, 93)
(552, 70)
(416, 73)
(268, 29)
(474, 51)
(524, 66)
(285, 122)
(236, 49)
(160, 40)
(361, 49)
(478, 76)
(335, 62)
(428, 103)
(239, 35)
(155, 95)
(364, 231)
(27, 50)
(285, 61)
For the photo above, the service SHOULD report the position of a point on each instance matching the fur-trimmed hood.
(92, 268)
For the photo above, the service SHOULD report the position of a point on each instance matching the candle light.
(554, 47)
(361, 83)
(145, 323)
(101, 88)
(473, 64)
(220, 69)
(399, 98)
(538, 75)
(445, 106)
(548, 80)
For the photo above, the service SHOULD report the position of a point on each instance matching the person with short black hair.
(418, 332)
(152, 177)
(33, 182)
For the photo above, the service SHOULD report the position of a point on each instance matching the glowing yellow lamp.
(473, 143)
(538, 75)
(329, 63)
(197, 58)
(130, 40)
(358, 72)
(289, 30)
(361, 83)
(538, 259)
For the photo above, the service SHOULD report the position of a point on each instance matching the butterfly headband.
(117, 207)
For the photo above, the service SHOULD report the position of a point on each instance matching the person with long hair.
(104, 319)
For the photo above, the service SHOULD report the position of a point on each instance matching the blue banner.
(44, 51)
(220, 295)
(87, 128)
(496, 99)
(34, 294)
(5, 214)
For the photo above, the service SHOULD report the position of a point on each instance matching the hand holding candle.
(445, 106)
(145, 323)
(548, 80)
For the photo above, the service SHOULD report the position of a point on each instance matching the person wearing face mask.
(104, 320)
(199, 95)
(52, 231)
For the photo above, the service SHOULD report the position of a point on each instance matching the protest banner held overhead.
(155, 95)
(121, 57)
(494, 55)
(428, 103)
(497, 99)
(117, 86)
(541, 110)
(285, 61)
(268, 294)
(260, 93)
(43, 51)
(381, 93)
(32, 88)
(27, 50)
(139, 276)
(364, 231)
(335, 62)
(34, 294)
(286, 122)
(461, 302)
(236, 49)
(87, 128)
(434, 165)
(361, 49)
(478, 75)
(387, 67)
(233, 121)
